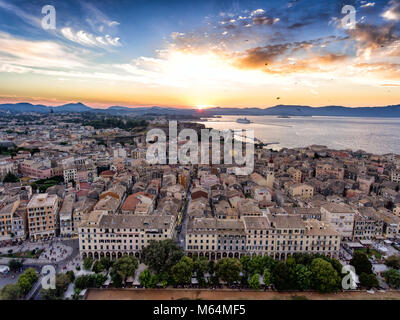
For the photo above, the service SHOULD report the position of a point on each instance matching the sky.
(201, 54)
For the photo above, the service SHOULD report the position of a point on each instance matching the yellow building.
(295, 174)
(109, 235)
(6, 217)
(301, 190)
(42, 215)
(278, 236)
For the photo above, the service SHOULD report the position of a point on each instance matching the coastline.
(337, 133)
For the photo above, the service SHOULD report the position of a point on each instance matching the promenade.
(226, 294)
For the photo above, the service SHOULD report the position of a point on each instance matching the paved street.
(181, 234)
(62, 254)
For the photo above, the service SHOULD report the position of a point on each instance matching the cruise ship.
(243, 120)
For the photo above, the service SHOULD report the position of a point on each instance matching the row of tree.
(115, 122)
(363, 268)
(167, 265)
(14, 291)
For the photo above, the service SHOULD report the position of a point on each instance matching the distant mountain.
(279, 110)
(294, 110)
(23, 108)
(72, 107)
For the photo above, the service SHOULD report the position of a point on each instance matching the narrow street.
(180, 236)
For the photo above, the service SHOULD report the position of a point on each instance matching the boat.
(283, 116)
(243, 120)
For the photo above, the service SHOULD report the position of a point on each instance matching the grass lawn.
(371, 252)
(30, 254)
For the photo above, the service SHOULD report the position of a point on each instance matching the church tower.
(78, 183)
(270, 173)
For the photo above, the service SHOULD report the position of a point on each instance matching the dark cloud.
(371, 37)
(259, 57)
(299, 25)
(393, 12)
(263, 20)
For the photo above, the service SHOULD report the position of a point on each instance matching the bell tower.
(270, 173)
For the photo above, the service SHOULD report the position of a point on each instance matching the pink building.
(35, 170)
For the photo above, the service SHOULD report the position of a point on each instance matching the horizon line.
(186, 107)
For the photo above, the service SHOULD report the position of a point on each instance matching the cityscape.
(230, 151)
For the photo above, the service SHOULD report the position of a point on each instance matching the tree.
(161, 256)
(24, 283)
(303, 277)
(27, 279)
(392, 277)
(10, 177)
(116, 279)
(99, 280)
(267, 277)
(368, 280)
(246, 262)
(71, 275)
(259, 263)
(228, 269)
(361, 263)
(62, 283)
(211, 267)
(324, 276)
(97, 266)
(82, 282)
(200, 267)
(303, 258)
(87, 263)
(147, 280)
(182, 271)
(10, 292)
(126, 266)
(254, 282)
(336, 265)
(90, 281)
(106, 262)
(144, 278)
(393, 262)
(282, 276)
(14, 265)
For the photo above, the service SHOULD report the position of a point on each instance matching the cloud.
(260, 57)
(113, 23)
(88, 39)
(385, 70)
(257, 12)
(262, 20)
(368, 5)
(97, 17)
(393, 12)
(18, 55)
(259, 17)
(29, 18)
(370, 38)
(175, 35)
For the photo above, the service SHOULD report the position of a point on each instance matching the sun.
(203, 106)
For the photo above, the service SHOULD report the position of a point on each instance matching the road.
(35, 292)
(181, 234)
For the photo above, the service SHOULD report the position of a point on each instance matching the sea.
(373, 135)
